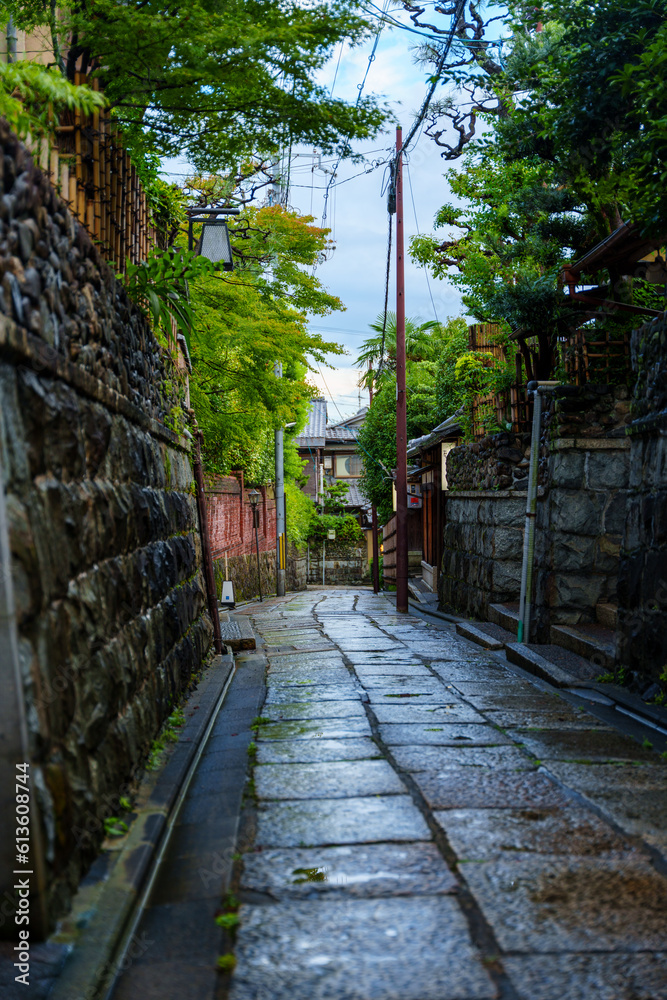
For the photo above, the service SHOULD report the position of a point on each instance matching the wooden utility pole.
(374, 513)
(401, 414)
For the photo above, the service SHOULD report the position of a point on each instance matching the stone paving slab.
(485, 834)
(361, 820)
(581, 745)
(546, 719)
(397, 683)
(429, 715)
(308, 674)
(438, 758)
(314, 710)
(366, 671)
(633, 797)
(491, 788)
(306, 751)
(341, 779)
(509, 701)
(368, 870)
(278, 694)
(325, 729)
(506, 684)
(431, 695)
(454, 735)
(464, 670)
(571, 904)
(380, 949)
(589, 977)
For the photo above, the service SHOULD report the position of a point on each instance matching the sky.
(357, 212)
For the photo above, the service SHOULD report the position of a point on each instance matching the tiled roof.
(355, 498)
(313, 434)
(340, 434)
(355, 420)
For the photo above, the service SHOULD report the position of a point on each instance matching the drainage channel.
(175, 913)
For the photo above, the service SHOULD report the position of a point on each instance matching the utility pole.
(374, 513)
(401, 414)
(281, 541)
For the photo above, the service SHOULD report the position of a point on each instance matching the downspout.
(525, 604)
(12, 41)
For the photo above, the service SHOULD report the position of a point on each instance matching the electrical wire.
(386, 296)
(414, 209)
(360, 88)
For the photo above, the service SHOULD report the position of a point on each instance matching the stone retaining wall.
(642, 586)
(105, 555)
(483, 541)
(342, 563)
(579, 531)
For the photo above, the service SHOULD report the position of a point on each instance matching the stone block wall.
(497, 462)
(579, 531)
(642, 586)
(342, 563)
(483, 542)
(103, 530)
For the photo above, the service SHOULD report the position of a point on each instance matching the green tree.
(216, 81)
(559, 166)
(245, 322)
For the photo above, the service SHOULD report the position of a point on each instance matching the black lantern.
(213, 242)
(253, 497)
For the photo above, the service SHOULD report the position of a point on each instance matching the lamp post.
(213, 242)
(253, 497)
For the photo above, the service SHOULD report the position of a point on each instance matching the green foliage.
(226, 963)
(215, 81)
(115, 827)
(161, 282)
(346, 527)
(300, 514)
(335, 498)
(30, 93)
(245, 322)
(578, 145)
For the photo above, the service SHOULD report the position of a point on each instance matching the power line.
(360, 88)
(414, 209)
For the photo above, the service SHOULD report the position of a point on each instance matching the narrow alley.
(422, 822)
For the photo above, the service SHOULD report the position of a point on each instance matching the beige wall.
(30, 45)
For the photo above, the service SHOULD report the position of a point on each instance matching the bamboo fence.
(93, 173)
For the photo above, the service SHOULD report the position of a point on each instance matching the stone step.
(594, 642)
(553, 663)
(505, 615)
(236, 632)
(607, 615)
(485, 634)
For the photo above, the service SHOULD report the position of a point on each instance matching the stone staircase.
(575, 657)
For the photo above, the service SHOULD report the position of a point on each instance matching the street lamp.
(253, 497)
(213, 242)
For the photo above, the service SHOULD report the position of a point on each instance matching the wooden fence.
(92, 172)
(495, 409)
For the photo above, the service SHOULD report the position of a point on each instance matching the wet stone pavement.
(429, 825)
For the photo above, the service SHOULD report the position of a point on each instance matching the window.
(348, 466)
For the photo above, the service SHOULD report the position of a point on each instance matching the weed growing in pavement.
(252, 751)
(663, 755)
(226, 963)
(260, 720)
(227, 920)
(436, 730)
(168, 734)
(115, 827)
(647, 744)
